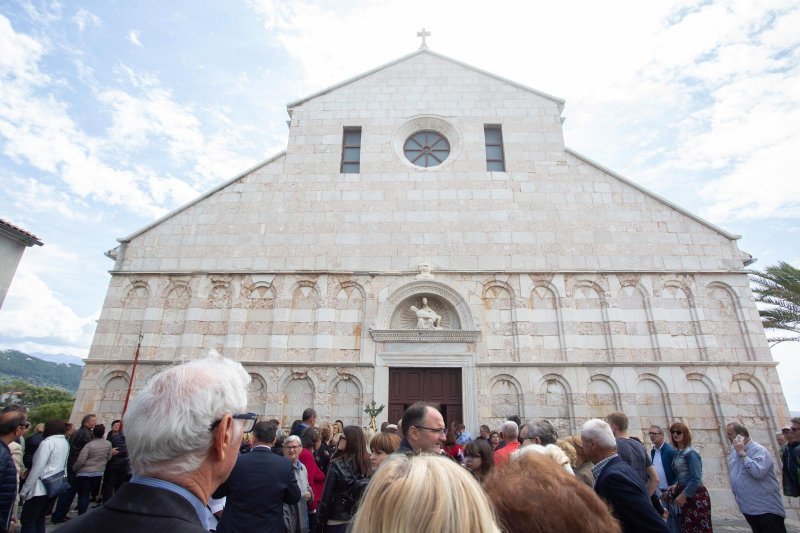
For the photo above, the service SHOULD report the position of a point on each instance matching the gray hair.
(510, 429)
(544, 431)
(168, 425)
(292, 438)
(600, 432)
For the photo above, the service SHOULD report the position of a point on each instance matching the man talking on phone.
(754, 483)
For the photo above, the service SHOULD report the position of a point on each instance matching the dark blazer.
(622, 488)
(260, 483)
(667, 455)
(135, 508)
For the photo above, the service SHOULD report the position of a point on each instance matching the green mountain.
(18, 365)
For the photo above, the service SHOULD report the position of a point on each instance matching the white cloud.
(32, 310)
(133, 36)
(85, 19)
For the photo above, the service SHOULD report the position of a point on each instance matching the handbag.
(56, 485)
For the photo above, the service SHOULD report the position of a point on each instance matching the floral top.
(688, 469)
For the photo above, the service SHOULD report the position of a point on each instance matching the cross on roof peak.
(423, 34)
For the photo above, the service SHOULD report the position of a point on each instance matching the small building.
(13, 241)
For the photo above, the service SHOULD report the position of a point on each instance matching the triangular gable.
(203, 196)
(653, 195)
(301, 101)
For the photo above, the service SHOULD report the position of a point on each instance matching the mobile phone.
(739, 439)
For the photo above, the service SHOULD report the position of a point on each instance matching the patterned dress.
(695, 516)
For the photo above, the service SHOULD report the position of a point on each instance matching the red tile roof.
(29, 238)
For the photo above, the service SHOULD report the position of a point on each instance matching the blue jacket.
(620, 486)
(667, 455)
(8, 485)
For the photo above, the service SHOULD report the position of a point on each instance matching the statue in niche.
(427, 318)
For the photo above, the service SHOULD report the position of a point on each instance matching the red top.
(501, 456)
(456, 451)
(316, 477)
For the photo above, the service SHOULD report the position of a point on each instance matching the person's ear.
(223, 437)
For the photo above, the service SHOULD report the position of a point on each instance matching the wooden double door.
(440, 387)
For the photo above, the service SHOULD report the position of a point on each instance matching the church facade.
(427, 234)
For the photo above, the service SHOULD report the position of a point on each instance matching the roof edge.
(201, 197)
(653, 195)
(15, 232)
(559, 101)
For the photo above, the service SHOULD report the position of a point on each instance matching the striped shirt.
(601, 465)
(753, 481)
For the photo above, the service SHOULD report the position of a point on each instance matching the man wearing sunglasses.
(13, 423)
(183, 432)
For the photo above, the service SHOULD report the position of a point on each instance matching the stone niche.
(425, 311)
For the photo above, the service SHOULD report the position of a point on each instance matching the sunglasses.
(676, 431)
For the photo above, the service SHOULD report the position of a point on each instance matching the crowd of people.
(192, 459)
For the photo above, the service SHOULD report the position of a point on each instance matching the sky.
(113, 113)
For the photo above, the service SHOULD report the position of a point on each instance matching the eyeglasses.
(249, 418)
(653, 434)
(26, 425)
(292, 448)
(676, 431)
(440, 431)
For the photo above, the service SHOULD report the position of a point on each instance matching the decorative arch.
(299, 392)
(555, 405)
(447, 293)
(716, 407)
(257, 394)
(115, 388)
(594, 323)
(602, 399)
(646, 407)
(349, 303)
(639, 329)
(506, 394)
(347, 399)
(727, 338)
(767, 415)
(689, 331)
(500, 317)
(304, 319)
(546, 322)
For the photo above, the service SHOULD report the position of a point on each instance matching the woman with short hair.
(347, 477)
(382, 446)
(688, 492)
(424, 494)
(580, 464)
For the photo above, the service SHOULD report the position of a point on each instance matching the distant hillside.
(18, 365)
(59, 358)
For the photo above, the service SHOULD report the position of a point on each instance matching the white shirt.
(662, 476)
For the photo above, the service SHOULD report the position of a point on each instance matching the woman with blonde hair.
(407, 488)
(581, 465)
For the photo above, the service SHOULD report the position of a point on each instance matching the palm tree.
(779, 288)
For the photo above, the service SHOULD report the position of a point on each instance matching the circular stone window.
(426, 148)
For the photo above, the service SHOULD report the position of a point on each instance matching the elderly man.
(633, 452)
(753, 482)
(510, 431)
(183, 432)
(423, 430)
(616, 481)
(13, 423)
(662, 455)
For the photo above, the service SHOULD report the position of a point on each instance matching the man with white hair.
(183, 431)
(616, 482)
(510, 431)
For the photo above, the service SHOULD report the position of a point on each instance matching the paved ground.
(727, 525)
